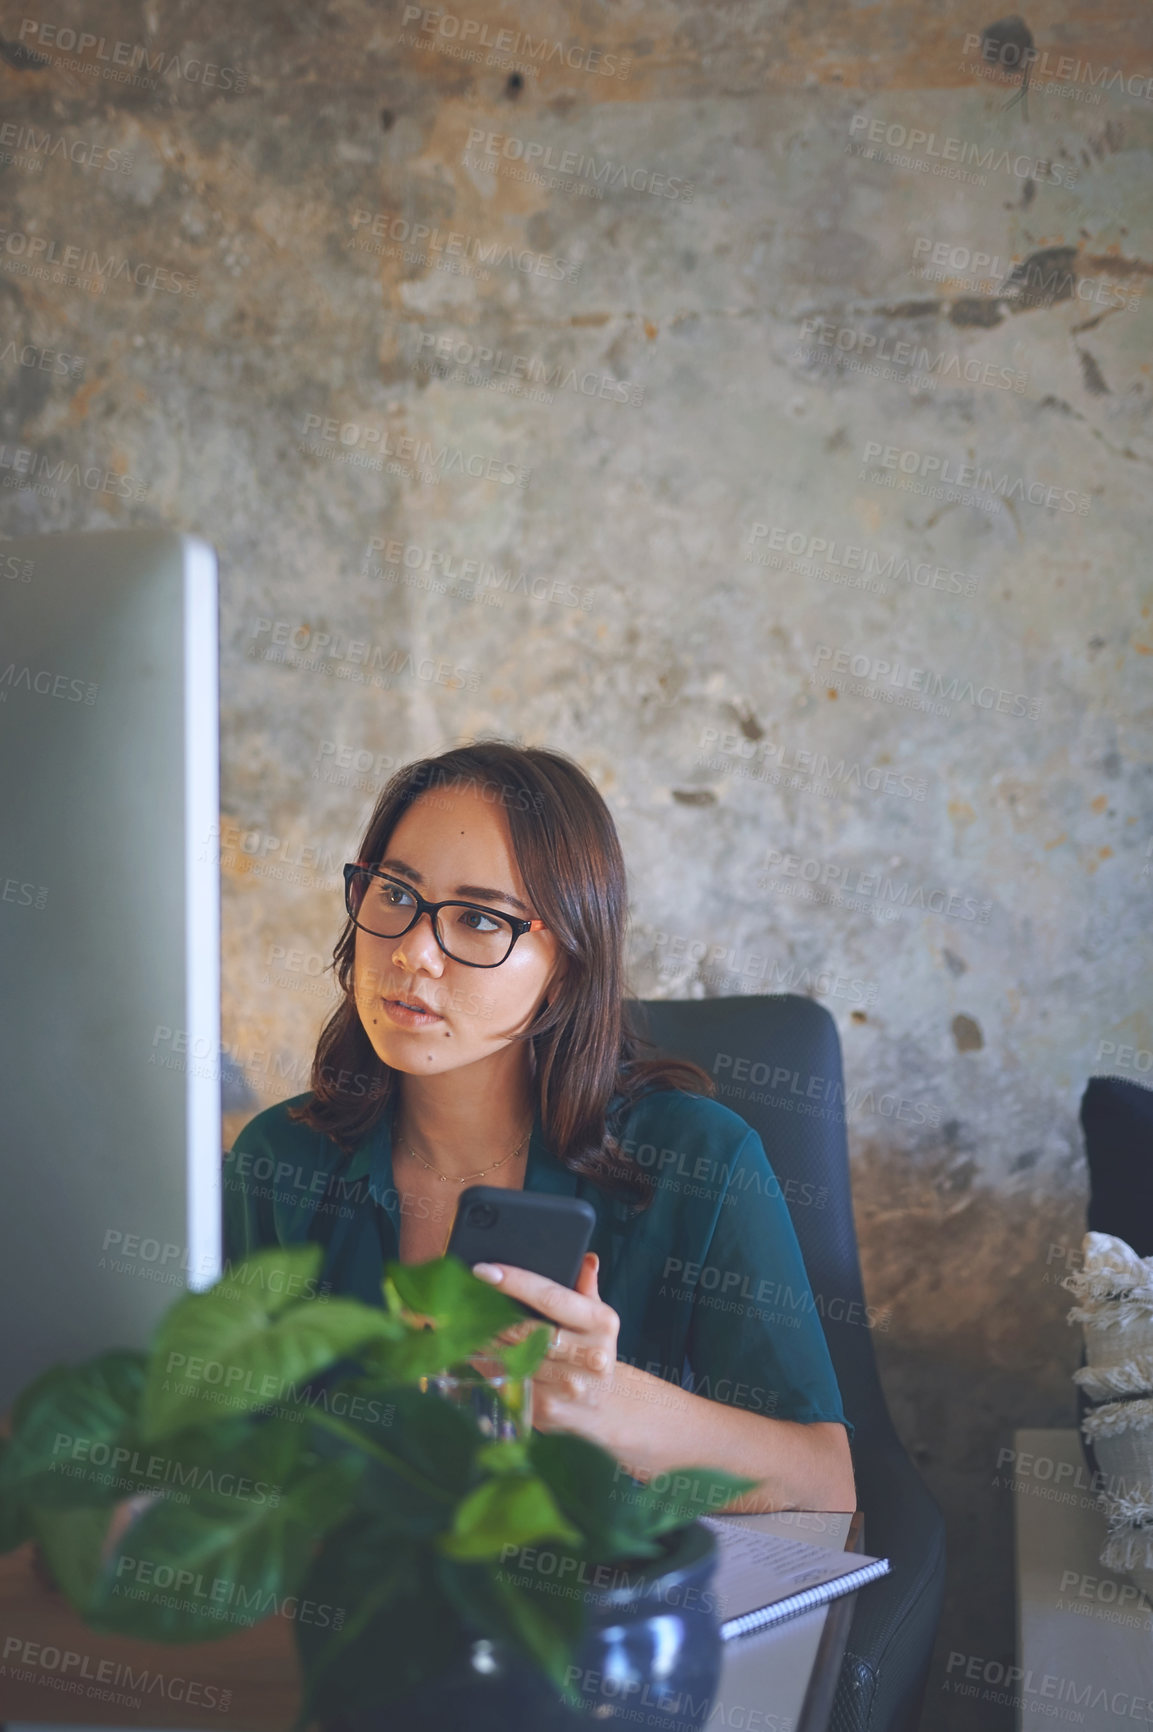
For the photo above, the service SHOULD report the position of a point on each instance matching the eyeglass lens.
(385, 909)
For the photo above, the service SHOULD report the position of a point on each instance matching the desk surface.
(54, 1670)
(790, 1670)
(1084, 1633)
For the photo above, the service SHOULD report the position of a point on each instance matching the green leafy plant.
(277, 1450)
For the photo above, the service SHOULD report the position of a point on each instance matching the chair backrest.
(777, 1062)
(1117, 1119)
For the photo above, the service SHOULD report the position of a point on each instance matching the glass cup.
(501, 1406)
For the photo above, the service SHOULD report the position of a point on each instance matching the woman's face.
(455, 844)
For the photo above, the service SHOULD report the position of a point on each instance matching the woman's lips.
(400, 1012)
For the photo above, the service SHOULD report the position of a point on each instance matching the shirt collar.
(372, 1160)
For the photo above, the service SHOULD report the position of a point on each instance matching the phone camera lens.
(481, 1215)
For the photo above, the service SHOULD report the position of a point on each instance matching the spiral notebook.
(763, 1578)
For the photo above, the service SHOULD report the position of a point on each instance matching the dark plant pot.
(650, 1655)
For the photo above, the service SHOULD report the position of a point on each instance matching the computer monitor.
(110, 1145)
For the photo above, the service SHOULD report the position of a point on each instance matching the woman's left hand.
(573, 1383)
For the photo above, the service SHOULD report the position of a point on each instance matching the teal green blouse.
(708, 1281)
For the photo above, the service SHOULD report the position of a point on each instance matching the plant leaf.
(620, 1517)
(237, 1466)
(430, 1438)
(72, 1541)
(522, 1358)
(507, 1455)
(454, 1298)
(400, 1631)
(463, 1315)
(243, 1344)
(70, 1436)
(595, 1492)
(32, 1392)
(507, 1510)
(418, 1353)
(691, 1492)
(200, 1571)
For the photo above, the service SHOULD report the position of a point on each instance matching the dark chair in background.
(1117, 1124)
(777, 1046)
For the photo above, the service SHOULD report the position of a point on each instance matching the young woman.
(483, 1040)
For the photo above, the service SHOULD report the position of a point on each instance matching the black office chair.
(882, 1681)
(1117, 1124)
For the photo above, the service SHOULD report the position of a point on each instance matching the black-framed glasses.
(385, 907)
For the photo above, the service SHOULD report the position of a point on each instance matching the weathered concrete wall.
(587, 429)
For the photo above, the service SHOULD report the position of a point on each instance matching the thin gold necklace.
(445, 1177)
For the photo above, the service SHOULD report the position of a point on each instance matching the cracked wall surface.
(752, 400)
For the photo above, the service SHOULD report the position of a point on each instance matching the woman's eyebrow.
(484, 891)
(487, 894)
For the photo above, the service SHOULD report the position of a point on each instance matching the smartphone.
(527, 1229)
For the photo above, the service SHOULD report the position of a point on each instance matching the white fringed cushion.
(1118, 1365)
(1114, 1284)
(1114, 1289)
(1122, 1437)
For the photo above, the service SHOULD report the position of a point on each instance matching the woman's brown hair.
(583, 1049)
